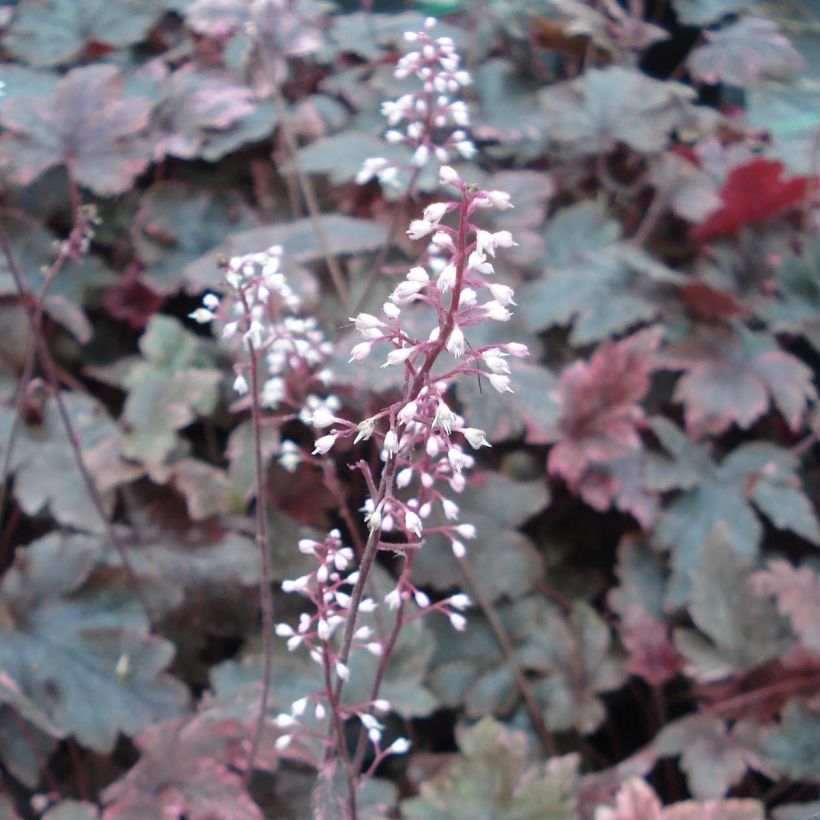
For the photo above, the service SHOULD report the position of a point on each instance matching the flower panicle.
(429, 120)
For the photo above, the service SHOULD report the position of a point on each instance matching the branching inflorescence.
(428, 120)
(425, 445)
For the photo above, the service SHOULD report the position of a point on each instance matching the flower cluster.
(262, 310)
(328, 587)
(426, 443)
(428, 120)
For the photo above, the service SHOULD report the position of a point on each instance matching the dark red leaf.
(753, 194)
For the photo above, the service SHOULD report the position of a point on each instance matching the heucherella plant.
(425, 444)
(428, 120)
(425, 450)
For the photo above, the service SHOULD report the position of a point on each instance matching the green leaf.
(741, 630)
(86, 125)
(796, 309)
(636, 800)
(72, 810)
(81, 650)
(744, 53)
(55, 32)
(791, 115)
(603, 108)
(21, 751)
(503, 560)
(575, 656)
(190, 766)
(302, 242)
(45, 467)
(758, 475)
(492, 778)
(508, 111)
(793, 748)
(714, 757)
(178, 223)
(593, 281)
(341, 155)
(168, 389)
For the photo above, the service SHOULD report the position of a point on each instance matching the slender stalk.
(50, 371)
(265, 592)
(35, 329)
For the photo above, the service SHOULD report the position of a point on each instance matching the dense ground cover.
(643, 638)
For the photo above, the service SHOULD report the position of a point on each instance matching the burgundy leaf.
(85, 124)
(652, 655)
(731, 378)
(598, 426)
(797, 591)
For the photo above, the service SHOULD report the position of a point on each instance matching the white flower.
(420, 156)
(240, 384)
(322, 445)
(517, 349)
(422, 601)
(391, 442)
(459, 550)
(393, 599)
(501, 199)
(398, 356)
(298, 706)
(419, 228)
(322, 417)
(365, 429)
(460, 601)
(448, 175)
(459, 622)
(466, 148)
(360, 351)
(366, 322)
(466, 530)
(381, 705)
(201, 315)
(282, 742)
(502, 293)
(404, 477)
(408, 412)
(284, 630)
(444, 418)
(500, 382)
(307, 546)
(475, 438)
(342, 671)
(446, 279)
(450, 509)
(399, 746)
(456, 342)
(433, 213)
(413, 523)
(496, 311)
(284, 721)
